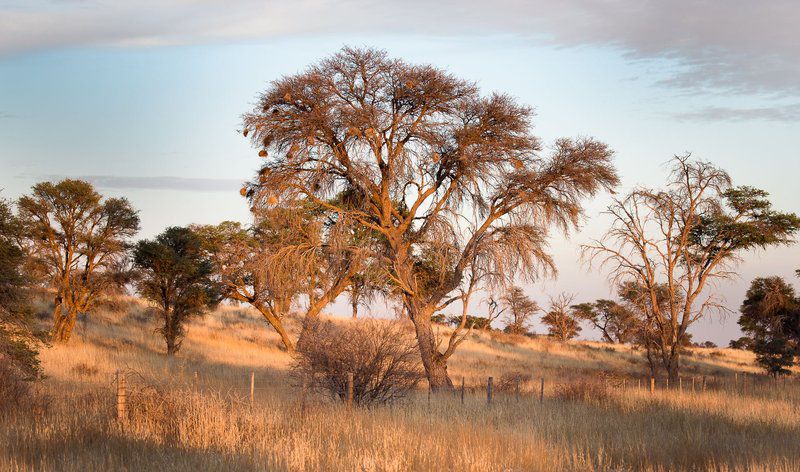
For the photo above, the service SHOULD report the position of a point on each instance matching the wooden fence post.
(349, 390)
(516, 389)
(489, 384)
(252, 386)
(462, 389)
(680, 384)
(122, 397)
(541, 391)
(638, 384)
(704, 383)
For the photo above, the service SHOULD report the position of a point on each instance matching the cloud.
(787, 113)
(164, 183)
(735, 46)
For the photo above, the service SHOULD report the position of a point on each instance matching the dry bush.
(508, 381)
(584, 390)
(382, 356)
(508, 338)
(85, 370)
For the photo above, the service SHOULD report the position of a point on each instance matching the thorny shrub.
(382, 356)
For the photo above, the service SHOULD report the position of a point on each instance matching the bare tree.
(684, 238)
(520, 310)
(80, 242)
(448, 178)
(560, 318)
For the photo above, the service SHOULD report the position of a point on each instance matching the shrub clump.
(589, 391)
(382, 356)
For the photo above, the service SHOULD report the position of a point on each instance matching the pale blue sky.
(146, 99)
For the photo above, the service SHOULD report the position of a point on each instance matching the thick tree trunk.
(64, 323)
(433, 361)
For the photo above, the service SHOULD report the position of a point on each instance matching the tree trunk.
(354, 305)
(275, 322)
(433, 361)
(64, 323)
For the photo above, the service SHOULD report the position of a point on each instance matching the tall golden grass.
(193, 412)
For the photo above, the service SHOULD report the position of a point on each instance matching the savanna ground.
(193, 412)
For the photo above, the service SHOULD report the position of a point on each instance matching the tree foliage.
(79, 241)
(176, 275)
(452, 181)
(19, 340)
(770, 316)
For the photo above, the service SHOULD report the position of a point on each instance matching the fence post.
(122, 396)
(638, 384)
(462, 389)
(652, 385)
(680, 384)
(489, 384)
(541, 391)
(516, 389)
(349, 390)
(252, 386)
(704, 383)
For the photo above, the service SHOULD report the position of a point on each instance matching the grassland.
(193, 412)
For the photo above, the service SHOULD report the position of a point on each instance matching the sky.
(144, 98)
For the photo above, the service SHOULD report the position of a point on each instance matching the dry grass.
(193, 412)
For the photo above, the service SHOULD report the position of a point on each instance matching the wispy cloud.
(736, 46)
(164, 183)
(788, 113)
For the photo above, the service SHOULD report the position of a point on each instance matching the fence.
(739, 383)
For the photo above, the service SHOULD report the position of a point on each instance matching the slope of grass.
(193, 412)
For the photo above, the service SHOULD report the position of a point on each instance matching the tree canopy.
(452, 181)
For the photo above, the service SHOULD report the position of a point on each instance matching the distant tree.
(520, 310)
(452, 181)
(684, 237)
(616, 321)
(481, 323)
(561, 320)
(80, 242)
(709, 345)
(770, 316)
(19, 340)
(176, 275)
(743, 343)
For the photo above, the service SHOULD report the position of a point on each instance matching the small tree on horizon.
(176, 275)
(79, 241)
(617, 323)
(520, 310)
(560, 319)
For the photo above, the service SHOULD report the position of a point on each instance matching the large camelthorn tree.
(452, 180)
(80, 242)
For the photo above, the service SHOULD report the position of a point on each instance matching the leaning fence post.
(252, 386)
(489, 384)
(349, 390)
(541, 391)
(122, 396)
(462, 389)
